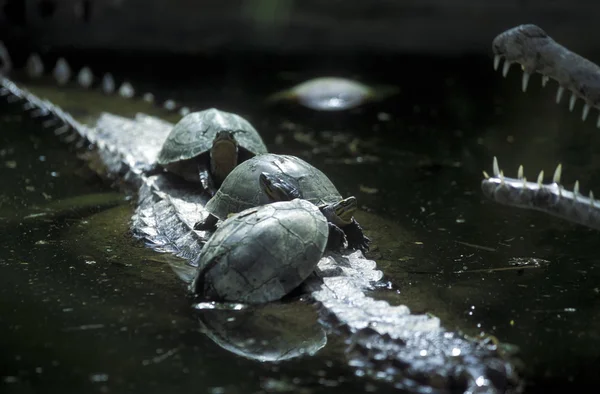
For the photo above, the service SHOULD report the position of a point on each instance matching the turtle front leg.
(208, 224)
(154, 169)
(337, 239)
(356, 237)
(206, 181)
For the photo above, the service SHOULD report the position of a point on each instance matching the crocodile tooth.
(586, 111)
(525, 81)
(62, 71)
(524, 182)
(505, 68)
(496, 62)
(572, 101)
(126, 90)
(108, 83)
(557, 173)
(85, 78)
(148, 97)
(169, 105)
(576, 190)
(559, 94)
(545, 80)
(591, 198)
(34, 66)
(501, 176)
(183, 111)
(540, 178)
(496, 167)
(485, 175)
(520, 172)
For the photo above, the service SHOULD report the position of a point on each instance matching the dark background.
(288, 26)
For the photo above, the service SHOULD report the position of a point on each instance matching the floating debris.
(532, 262)
(10, 164)
(476, 246)
(228, 306)
(368, 190)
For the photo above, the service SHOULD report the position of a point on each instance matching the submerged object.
(261, 254)
(333, 94)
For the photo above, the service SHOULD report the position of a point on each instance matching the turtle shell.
(261, 254)
(241, 189)
(193, 135)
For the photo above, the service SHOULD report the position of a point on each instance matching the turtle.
(282, 187)
(205, 146)
(262, 253)
(243, 189)
(333, 94)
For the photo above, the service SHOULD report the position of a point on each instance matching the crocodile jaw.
(536, 52)
(551, 198)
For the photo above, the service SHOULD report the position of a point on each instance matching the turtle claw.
(356, 238)
(337, 238)
(155, 169)
(207, 182)
(208, 224)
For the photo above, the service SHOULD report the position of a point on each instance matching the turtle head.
(225, 137)
(223, 155)
(278, 187)
(340, 213)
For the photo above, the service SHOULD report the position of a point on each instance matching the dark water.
(83, 307)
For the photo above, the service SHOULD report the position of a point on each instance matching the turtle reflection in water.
(205, 146)
(261, 254)
(242, 189)
(267, 333)
(333, 94)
